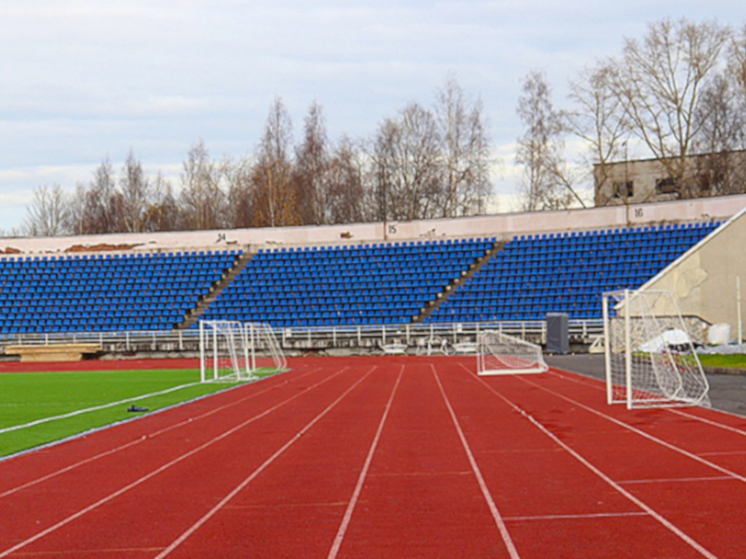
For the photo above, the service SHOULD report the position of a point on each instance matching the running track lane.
(421, 497)
(138, 510)
(553, 504)
(30, 466)
(702, 501)
(294, 508)
(535, 537)
(709, 507)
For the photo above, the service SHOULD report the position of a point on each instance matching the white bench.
(465, 347)
(394, 349)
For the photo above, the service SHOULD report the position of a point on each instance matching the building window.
(665, 186)
(624, 189)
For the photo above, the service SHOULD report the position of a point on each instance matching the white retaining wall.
(501, 226)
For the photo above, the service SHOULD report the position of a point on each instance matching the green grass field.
(726, 361)
(30, 397)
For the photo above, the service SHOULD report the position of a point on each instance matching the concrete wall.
(704, 280)
(502, 226)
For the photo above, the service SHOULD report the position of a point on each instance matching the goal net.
(224, 355)
(266, 356)
(233, 351)
(500, 354)
(649, 353)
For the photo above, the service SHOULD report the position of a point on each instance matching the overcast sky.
(85, 79)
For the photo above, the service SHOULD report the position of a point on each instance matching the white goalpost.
(649, 355)
(232, 351)
(222, 351)
(266, 355)
(500, 354)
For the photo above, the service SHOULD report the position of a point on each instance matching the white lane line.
(675, 480)
(642, 505)
(152, 435)
(723, 453)
(638, 431)
(94, 408)
(709, 422)
(574, 516)
(241, 486)
(499, 521)
(157, 471)
(363, 474)
(595, 386)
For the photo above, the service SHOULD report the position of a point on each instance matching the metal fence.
(369, 337)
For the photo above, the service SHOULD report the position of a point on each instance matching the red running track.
(388, 457)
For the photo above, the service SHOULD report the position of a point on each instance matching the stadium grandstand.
(455, 275)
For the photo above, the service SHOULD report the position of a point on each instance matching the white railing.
(368, 336)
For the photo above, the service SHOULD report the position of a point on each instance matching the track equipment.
(500, 354)
(649, 355)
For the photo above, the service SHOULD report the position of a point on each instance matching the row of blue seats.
(380, 246)
(593, 262)
(373, 255)
(338, 272)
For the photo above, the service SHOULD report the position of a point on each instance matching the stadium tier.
(105, 292)
(385, 283)
(567, 272)
(349, 285)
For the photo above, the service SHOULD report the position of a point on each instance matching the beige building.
(652, 180)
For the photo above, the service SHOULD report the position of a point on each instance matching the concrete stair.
(215, 290)
(443, 296)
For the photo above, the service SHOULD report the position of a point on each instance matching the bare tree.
(275, 200)
(47, 214)
(345, 193)
(737, 63)
(311, 168)
(660, 82)
(203, 201)
(100, 205)
(135, 188)
(719, 169)
(545, 184)
(406, 157)
(465, 151)
(163, 212)
(599, 120)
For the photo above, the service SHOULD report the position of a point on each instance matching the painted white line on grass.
(241, 486)
(157, 471)
(94, 408)
(363, 474)
(507, 540)
(152, 435)
(642, 505)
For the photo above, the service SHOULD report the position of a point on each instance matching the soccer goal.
(501, 354)
(223, 352)
(266, 355)
(649, 354)
(232, 351)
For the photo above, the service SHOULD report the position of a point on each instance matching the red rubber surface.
(269, 470)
